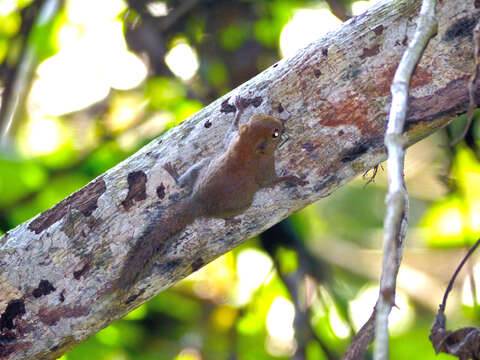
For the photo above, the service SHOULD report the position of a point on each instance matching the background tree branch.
(57, 270)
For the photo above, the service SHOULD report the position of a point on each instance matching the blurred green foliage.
(223, 311)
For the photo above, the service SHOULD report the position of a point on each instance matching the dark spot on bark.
(369, 52)
(14, 308)
(6, 350)
(174, 197)
(161, 191)
(79, 273)
(133, 297)
(378, 30)
(325, 51)
(226, 108)
(84, 200)
(168, 267)
(50, 317)
(308, 147)
(197, 264)
(44, 288)
(355, 152)
(476, 4)
(280, 108)
(172, 265)
(388, 294)
(136, 189)
(460, 28)
(257, 101)
(340, 133)
(317, 73)
(324, 183)
(61, 297)
(451, 98)
(7, 337)
(207, 124)
(352, 72)
(405, 41)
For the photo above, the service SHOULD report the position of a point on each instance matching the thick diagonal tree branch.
(58, 271)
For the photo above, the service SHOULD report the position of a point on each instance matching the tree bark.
(58, 270)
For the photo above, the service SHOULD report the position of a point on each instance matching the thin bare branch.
(362, 339)
(455, 274)
(395, 222)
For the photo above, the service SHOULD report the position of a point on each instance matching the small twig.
(463, 343)
(472, 85)
(362, 339)
(455, 274)
(395, 222)
(374, 174)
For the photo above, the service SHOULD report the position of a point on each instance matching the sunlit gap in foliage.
(455, 221)
(109, 336)
(339, 327)
(189, 354)
(7, 6)
(182, 60)
(41, 135)
(447, 221)
(281, 335)
(324, 307)
(157, 8)
(401, 319)
(92, 58)
(359, 7)
(253, 267)
(308, 25)
(213, 282)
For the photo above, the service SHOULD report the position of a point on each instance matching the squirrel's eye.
(276, 133)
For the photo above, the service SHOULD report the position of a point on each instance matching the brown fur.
(223, 189)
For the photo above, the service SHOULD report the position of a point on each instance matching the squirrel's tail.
(142, 256)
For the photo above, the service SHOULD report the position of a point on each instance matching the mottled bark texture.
(58, 271)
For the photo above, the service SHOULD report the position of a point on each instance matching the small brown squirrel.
(222, 187)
